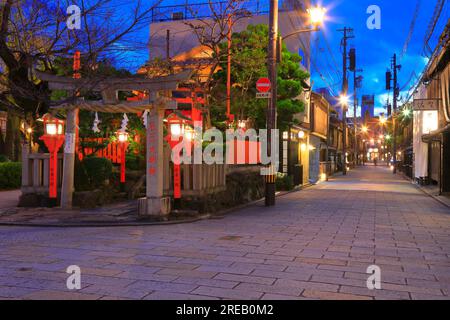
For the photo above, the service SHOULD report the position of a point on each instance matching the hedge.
(10, 175)
(284, 182)
(91, 173)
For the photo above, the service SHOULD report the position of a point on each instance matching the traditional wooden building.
(432, 119)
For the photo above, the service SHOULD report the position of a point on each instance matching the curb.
(102, 225)
(426, 193)
(218, 215)
(221, 214)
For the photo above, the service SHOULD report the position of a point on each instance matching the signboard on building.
(425, 104)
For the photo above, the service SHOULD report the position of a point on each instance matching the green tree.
(249, 63)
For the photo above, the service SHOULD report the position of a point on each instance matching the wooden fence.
(111, 151)
(35, 171)
(196, 180)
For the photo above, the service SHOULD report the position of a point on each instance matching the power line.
(411, 28)
(432, 25)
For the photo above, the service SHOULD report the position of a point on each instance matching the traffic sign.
(263, 95)
(263, 85)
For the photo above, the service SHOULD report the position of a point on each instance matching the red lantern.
(177, 132)
(53, 138)
(122, 137)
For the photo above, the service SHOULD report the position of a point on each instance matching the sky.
(374, 48)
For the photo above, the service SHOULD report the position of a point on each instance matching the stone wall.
(244, 184)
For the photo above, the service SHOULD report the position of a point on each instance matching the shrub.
(135, 162)
(10, 175)
(3, 158)
(91, 173)
(284, 182)
(81, 179)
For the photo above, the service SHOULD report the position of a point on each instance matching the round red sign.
(263, 85)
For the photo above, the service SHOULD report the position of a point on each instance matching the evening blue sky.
(374, 47)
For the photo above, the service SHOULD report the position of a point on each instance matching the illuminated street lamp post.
(317, 16)
(53, 138)
(122, 137)
(344, 99)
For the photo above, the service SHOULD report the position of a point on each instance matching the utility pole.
(395, 67)
(168, 45)
(229, 69)
(348, 33)
(356, 85)
(272, 108)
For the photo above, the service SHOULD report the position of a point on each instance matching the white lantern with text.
(430, 121)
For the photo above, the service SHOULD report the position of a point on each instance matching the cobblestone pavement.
(315, 244)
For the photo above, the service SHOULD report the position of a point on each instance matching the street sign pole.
(272, 107)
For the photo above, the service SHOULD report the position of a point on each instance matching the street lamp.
(343, 100)
(364, 129)
(53, 138)
(406, 112)
(316, 15)
(301, 134)
(274, 48)
(316, 18)
(122, 137)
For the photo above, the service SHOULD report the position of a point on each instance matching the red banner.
(176, 181)
(53, 176)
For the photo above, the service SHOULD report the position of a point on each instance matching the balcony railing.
(201, 10)
(205, 10)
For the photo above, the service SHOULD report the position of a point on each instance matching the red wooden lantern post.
(53, 138)
(122, 137)
(176, 130)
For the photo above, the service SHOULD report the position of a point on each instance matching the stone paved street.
(315, 244)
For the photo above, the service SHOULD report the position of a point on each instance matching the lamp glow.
(50, 129)
(316, 15)
(189, 134)
(122, 136)
(301, 134)
(343, 100)
(430, 121)
(303, 147)
(175, 129)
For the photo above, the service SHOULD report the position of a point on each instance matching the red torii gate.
(159, 100)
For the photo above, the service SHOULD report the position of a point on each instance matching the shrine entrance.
(156, 203)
